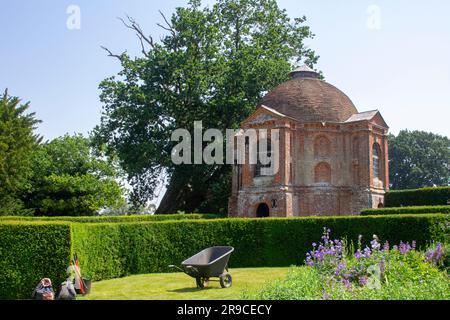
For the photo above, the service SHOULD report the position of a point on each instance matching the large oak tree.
(214, 64)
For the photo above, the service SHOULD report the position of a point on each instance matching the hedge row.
(30, 252)
(115, 219)
(406, 210)
(117, 250)
(439, 196)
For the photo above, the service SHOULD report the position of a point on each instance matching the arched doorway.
(262, 211)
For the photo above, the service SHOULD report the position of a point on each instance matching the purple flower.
(404, 248)
(363, 281)
(310, 262)
(325, 252)
(367, 252)
(435, 255)
(340, 267)
(347, 283)
(386, 246)
(374, 243)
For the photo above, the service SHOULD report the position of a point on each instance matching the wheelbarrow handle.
(192, 268)
(176, 267)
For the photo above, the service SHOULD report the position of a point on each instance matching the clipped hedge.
(438, 196)
(114, 219)
(30, 252)
(406, 210)
(116, 250)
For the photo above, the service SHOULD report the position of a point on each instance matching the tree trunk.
(180, 195)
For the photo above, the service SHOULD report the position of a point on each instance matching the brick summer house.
(333, 160)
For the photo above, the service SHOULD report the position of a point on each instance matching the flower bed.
(378, 271)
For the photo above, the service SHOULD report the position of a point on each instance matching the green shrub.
(406, 210)
(418, 197)
(301, 283)
(69, 178)
(118, 219)
(114, 250)
(30, 252)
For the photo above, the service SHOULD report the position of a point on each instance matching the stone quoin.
(333, 160)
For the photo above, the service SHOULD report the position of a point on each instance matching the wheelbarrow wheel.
(226, 280)
(202, 282)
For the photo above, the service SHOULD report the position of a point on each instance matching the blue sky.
(399, 63)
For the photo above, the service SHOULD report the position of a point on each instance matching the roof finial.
(303, 72)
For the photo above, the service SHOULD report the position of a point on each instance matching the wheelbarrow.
(208, 263)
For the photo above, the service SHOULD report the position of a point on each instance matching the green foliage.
(111, 250)
(406, 210)
(17, 142)
(214, 64)
(439, 196)
(418, 159)
(408, 278)
(301, 283)
(29, 252)
(68, 179)
(121, 219)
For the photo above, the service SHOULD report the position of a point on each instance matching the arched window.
(263, 152)
(376, 160)
(322, 173)
(322, 147)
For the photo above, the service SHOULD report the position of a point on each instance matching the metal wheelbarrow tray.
(209, 263)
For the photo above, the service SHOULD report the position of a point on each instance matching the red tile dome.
(308, 99)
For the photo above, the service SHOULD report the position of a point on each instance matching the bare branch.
(142, 46)
(165, 19)
(165, 28)
(169, 26)
(133, 25)
(110, 54)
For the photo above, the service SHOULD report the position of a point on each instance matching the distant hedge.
(406, 210)
(117, 250)
(438, 196)
(118, 219)
(30, 252)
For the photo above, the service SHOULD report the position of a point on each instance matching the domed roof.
(309, 99)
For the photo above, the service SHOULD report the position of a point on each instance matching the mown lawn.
(179, 286)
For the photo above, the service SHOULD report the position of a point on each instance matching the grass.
(179, 286)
